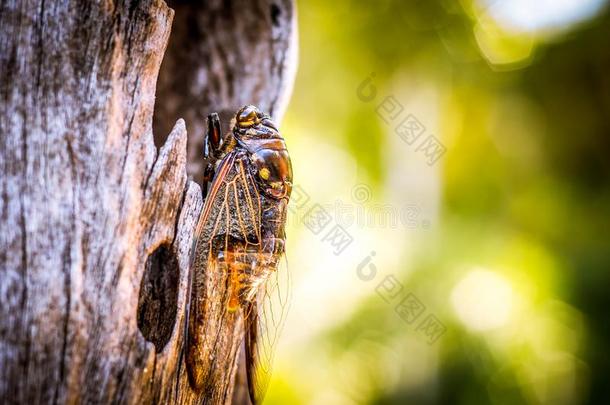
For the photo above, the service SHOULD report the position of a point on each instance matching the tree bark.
(96, 224)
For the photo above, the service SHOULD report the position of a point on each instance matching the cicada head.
(248, 116)
(259, 135)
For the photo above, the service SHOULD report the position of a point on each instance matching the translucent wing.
(221, 226)
(264, 322)
(237, 267)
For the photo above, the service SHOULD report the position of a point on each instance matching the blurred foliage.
(524, 195)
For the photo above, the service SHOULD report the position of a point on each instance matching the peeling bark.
(96, 224)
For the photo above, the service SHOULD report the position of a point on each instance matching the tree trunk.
(96, 224)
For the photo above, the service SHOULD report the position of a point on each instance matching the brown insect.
(240, 242)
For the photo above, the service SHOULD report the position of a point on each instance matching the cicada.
(240, 243)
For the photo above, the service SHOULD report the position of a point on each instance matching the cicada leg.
(214, 147)
(211, 145)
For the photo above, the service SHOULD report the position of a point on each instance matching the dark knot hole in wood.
(275, 14)
(157, 303)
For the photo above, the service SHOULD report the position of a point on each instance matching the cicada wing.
(202, 263)
(264, 320)
(213, 207)
(229, 219)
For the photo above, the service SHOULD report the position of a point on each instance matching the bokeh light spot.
(542, 15)
(483, 300)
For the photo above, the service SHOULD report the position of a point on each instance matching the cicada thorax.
(269, 156)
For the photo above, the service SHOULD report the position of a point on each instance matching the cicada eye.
(264, 173)
(274, 169)
(248, 116)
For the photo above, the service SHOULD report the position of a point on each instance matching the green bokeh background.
(513, 257)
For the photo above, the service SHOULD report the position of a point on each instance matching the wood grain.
(96, 223)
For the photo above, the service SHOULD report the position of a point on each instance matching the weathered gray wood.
(95, 223)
